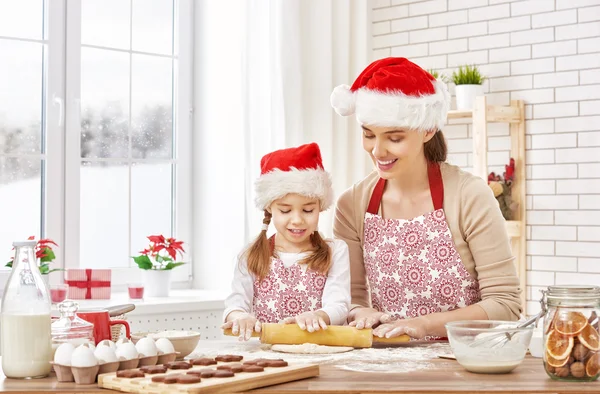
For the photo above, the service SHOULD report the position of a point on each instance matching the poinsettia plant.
(44, 253)
(160, 254)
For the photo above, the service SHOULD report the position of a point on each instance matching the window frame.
(71, 162)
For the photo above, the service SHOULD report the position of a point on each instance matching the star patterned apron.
(412, 266)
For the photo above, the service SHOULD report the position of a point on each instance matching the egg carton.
(87, 356)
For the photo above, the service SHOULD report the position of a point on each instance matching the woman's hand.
(243, 324)
(415, 328)
(367, 318)
(309, 321)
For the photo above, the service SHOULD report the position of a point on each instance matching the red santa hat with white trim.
(394, 92)
(296, 170)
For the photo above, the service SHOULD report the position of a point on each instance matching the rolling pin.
(291, 334)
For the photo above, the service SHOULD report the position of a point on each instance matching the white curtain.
(293, 53)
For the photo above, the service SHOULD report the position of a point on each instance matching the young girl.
(295, 276)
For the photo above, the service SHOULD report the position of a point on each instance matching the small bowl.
(474, 343)
(184, 342)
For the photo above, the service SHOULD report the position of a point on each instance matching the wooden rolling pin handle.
(228, 332)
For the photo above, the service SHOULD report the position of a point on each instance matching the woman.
(427, 241)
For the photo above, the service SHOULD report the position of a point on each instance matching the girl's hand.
(367, 317)
(243, 324)
(414, 328)
(309, 321)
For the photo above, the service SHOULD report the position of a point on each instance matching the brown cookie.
(170, 379)
(158, 378)
(207, 374)
(203, 361)
(130, 373)
(154, 369)
(278, 364)
(194, 372)
(252, 368)
(229, 357)
(231, 367)
(179, 365)
(189, 379)
(251, 362)
(223, 373)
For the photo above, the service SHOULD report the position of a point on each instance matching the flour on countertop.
(382, 360)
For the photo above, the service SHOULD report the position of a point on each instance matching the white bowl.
(184, 342)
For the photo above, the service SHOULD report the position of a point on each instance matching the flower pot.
(465, 96)
(156, 282)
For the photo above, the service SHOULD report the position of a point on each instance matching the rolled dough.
(310, 348)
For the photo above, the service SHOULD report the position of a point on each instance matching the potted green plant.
(468, 81)
(157, 261)
(440, 77)
(45, 255)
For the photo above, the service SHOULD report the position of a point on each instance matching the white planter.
(465, 96)
(157, 283)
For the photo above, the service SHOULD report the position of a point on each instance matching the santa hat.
(294, 170)
(394, 92)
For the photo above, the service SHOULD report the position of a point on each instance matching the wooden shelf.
(513, 114)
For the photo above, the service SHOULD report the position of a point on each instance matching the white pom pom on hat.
(343, 100)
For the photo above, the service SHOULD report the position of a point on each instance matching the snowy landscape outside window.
(125, 140)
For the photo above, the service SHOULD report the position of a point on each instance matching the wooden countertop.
(415, 370)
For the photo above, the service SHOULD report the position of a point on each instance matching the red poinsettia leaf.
(145, 252)
(158, 248)
(157, 239)
(31, 237)
(172, 253)
(177, 245)
(47, 241)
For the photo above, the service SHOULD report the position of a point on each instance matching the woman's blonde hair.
(259, 253)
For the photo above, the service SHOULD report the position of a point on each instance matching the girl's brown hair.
(259, 254)
(436, 149)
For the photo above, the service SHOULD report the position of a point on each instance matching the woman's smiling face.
(394, 150)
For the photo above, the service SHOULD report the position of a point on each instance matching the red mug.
(102, 323)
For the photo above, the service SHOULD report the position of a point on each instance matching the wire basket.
(115, 330)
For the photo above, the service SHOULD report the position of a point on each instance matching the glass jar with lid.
(571, 342)
(71, 328)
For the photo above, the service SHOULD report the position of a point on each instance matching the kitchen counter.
(383, 370)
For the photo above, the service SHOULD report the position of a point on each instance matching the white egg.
(146, 347)
(164, 346)
(122, 341)
(127, 351)
(83, 356)
(108, 343)
(63, 354)
(105, 354)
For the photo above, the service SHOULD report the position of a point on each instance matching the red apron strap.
(376, 197)
(436, 186)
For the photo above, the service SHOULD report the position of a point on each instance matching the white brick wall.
(547, 53)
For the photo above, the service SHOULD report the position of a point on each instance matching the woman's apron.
(412, 266)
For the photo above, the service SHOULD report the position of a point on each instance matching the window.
(23, 44)
(124, 146)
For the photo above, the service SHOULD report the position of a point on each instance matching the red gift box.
(88, 283)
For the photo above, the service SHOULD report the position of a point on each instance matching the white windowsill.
(179, 301)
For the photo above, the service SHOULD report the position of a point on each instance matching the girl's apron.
(287, 292)
(412, 266)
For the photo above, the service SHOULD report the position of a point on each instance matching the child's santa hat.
(394, 92)
(294, 170)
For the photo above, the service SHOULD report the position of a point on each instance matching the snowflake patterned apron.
(287, 292)
(412, 266)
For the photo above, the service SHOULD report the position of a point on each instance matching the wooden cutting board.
(242, 381)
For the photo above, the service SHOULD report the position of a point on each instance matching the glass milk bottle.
(25, 318)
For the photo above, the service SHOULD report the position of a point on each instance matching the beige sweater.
(477, 227)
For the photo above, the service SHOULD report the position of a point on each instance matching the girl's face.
(394, 150)
(295, 218)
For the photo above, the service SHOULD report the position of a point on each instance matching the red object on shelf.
(88, 283)
(58, 294)
(136, 292)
